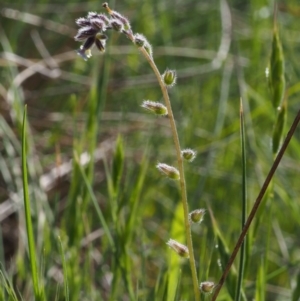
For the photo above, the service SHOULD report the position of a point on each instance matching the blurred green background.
(220, 51)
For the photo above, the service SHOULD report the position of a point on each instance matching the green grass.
(100, 228)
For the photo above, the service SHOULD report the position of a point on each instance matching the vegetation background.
(90, 111)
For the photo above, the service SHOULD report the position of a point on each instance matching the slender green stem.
(29, 228)
(244, 205)
(164, 90)
(256, 205)
(180, 168)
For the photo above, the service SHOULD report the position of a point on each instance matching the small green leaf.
(276, 71)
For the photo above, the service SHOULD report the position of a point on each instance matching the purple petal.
(92, 15)
(88, 43)
(99, 45)
(82, 53)
(97, 24)
(84, 33)
(83, 22)
(104, 18)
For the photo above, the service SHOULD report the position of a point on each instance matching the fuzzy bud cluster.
(92, 28)
(91, 32)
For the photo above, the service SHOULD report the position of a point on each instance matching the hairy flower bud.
(155, 107)
(92, 14)
(196, 216)
(122, 19)
(82, 22)
(207, 287)
(97, 23)
(117, 25)
(140, 40)
(117, 16)
(85, 33)
(188, 154)
(169, 78)
(179, 248)
(169, 171)
(104, 18)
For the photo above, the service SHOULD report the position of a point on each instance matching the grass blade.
(260, 282)
(117, 166)
(65, 269)
(7, 292)
(30, 236)
(244, 206)
(95, 203)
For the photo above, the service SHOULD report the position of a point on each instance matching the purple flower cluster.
(91, 31)
(92, 28)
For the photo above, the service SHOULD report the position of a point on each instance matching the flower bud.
(207, 287)
(117, 25)
(122, 19)
(196, 216)
(140, 40)
(85, 33)
(155, 107)
(97, 24)
(92, 14)
(179, 248)
(188, 154)
(117, 16)
(169, 78)
(169, 171)
(104, 18)
(83, 22)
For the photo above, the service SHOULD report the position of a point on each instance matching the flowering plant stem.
(91, 31)
(180, 168)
